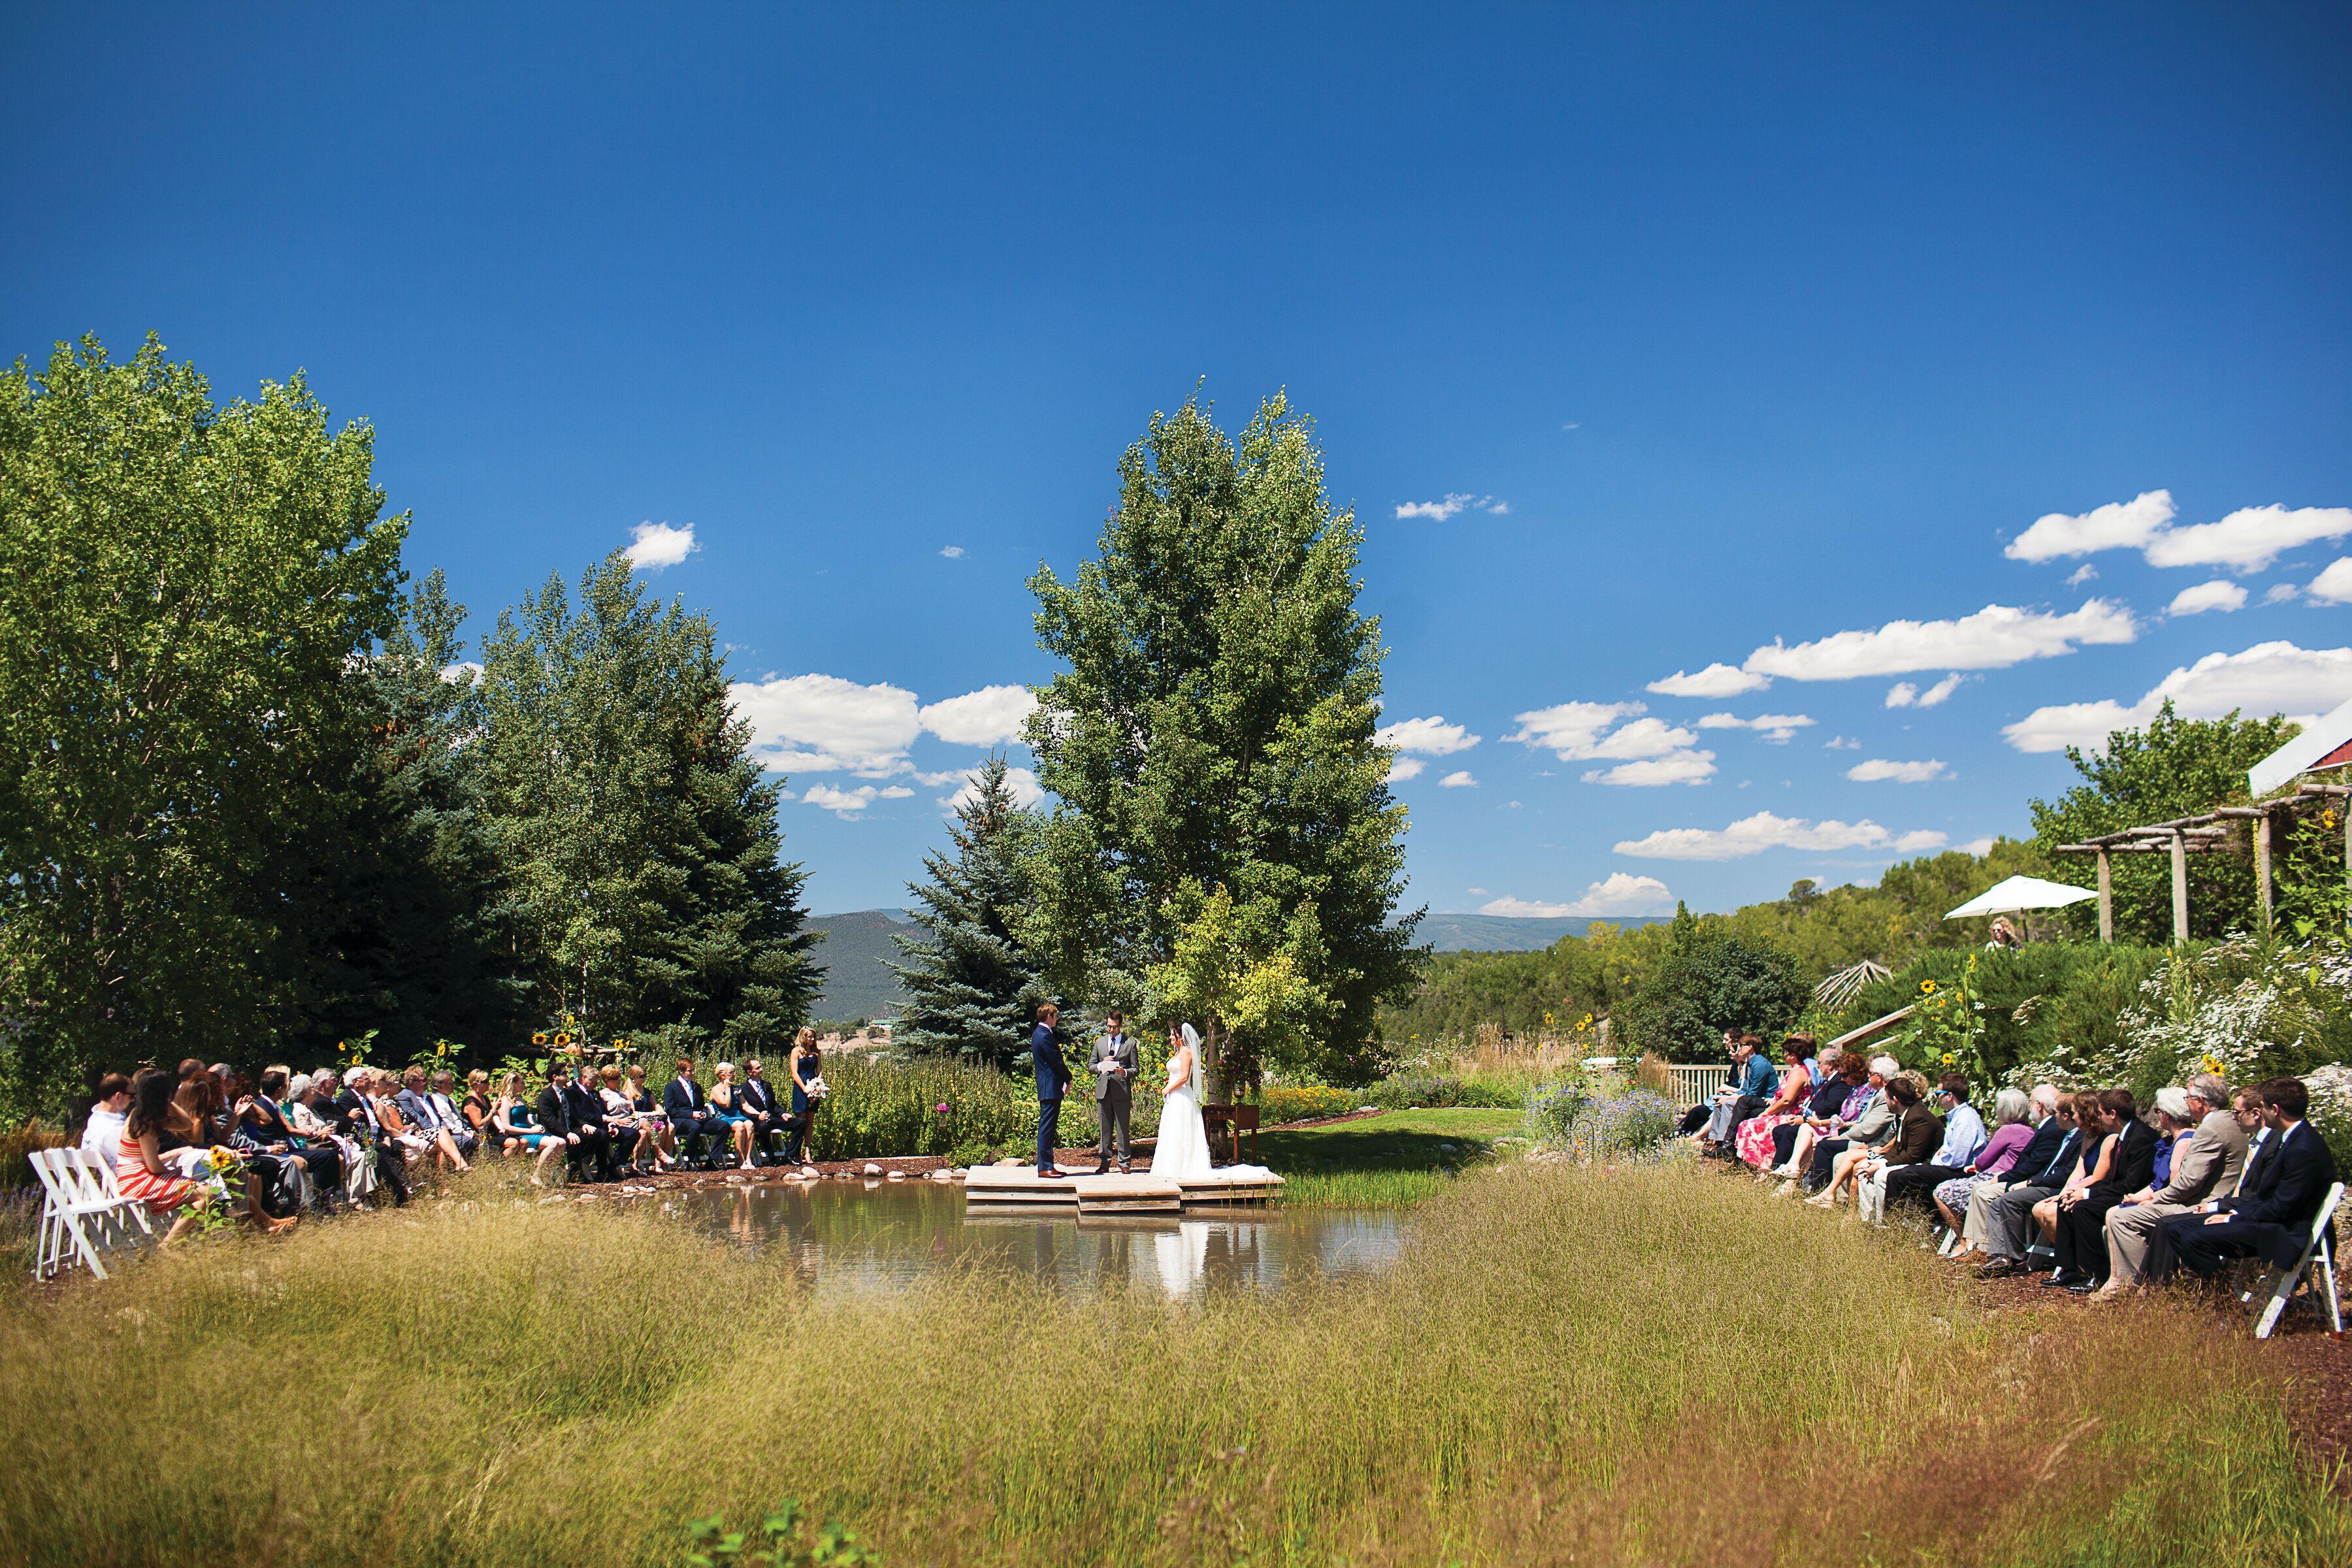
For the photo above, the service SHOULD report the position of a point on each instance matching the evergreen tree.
(636, 829)
(970, 989)
(1214, 729)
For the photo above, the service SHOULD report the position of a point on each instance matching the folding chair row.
(81, 1213)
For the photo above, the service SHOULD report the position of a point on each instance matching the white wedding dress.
(1182, 1150)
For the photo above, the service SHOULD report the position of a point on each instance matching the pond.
(878, 1236)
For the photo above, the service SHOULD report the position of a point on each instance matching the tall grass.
(1637, 1367)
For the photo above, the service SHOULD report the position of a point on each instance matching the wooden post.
(2180, 886)
(2106, 897)
(2262, 867)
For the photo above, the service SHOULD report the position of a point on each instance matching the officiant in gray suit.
(1115, 1065)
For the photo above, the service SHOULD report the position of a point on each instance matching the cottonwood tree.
(1213, 729)
(635, 828)
(972, 991)
(185, 592)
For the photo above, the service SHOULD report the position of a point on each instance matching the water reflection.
(880, 1236)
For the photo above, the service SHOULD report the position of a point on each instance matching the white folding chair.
(122, 1214)
(52, 1205)
(87, 1210)
(2316, 1247)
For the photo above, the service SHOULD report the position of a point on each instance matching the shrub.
(1278, 1103)
(1586, 1126)
(1704, 986)
(16, 1148)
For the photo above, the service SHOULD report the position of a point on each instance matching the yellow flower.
(1926, 988)
(1949, 1058)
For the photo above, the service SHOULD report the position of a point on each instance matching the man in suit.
(356, 1118)
(2010, 1208)
(594, 1149)
(2082, 1239)
(554, 1109)
(1053, 1072)
(756, 1103)
(1115, 1064)
(2206, 1164)
(2272, 1221)
(688, 1110)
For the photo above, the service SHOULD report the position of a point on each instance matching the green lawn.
(1398, 1157)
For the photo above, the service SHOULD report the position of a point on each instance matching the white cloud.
(2251, 538)
(464, 671)
(1623, 894)
(1841, 744)
(658, 546)
(1432, 736)
(1676, 767)
(990, 716)
(2221, 594)
(1571, 729)
(1405, 768)
(2281, 592)
(1878, 769)
(1476, 892)
(1773, 727)
(2118, 525)
(1022, 783)
(1715, 681)
(822, 723)
(1451, 506)
(2333, 586)
(1754, 835)
(849, 802)
(1458, 781)
(952, 552)
(1993, 638)
(2081, 575)
(1903, 694)
(1978, 846)
(2268, 677)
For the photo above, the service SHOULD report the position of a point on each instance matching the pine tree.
(970, 989)
(636, 829)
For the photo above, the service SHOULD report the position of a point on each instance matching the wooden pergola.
(2186, 835)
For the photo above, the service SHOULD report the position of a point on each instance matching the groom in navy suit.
(1052, 1078)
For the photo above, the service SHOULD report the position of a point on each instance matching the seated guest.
(154, 1127)
(631, 1142)
(266, 1126)
(1752, 1140)
(359, 1116)
(651, 1123)
(517, 1123)
(199, 1095)
(1964, 1136)
(446, 1107)
(1694, 1120)
(2273, 1221)
(423, 1118)
(2082, 1223)
(725, 1100)
(103, 1135)
(555, 1116)
(1921, 1134)
(2091, 1164)
(309, 1109)
(2043, 1165)
(688, 1109)
(757, 1103)
(477, 1107)
(2013, 1129)
(1847, 1089)
(1911, 1136)
(593, 1155)
(1870, 1131)
(1753, 1085)
(2205, 1163)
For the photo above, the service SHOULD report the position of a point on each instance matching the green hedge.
(1278, 1103)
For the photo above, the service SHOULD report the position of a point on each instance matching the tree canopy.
(1213, 727)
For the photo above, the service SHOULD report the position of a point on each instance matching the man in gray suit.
(1115, 1065)
(2206, 1166)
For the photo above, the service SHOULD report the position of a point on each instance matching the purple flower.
(943, 1110)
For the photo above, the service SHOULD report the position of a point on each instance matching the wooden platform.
(1011, 1189)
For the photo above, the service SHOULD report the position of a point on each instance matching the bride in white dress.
(1182, 1150)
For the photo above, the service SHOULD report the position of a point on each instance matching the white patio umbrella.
(2021, 893)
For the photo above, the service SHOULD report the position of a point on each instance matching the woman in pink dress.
(157, 1126)
(1754, 1138)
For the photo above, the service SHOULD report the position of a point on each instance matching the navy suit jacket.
(679, 1105)
(1053, 1068)
(2293, 1183)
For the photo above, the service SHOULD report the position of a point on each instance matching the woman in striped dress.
(156, 1127)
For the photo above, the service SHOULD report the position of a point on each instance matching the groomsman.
(1115, 1064)
(1053, 1070)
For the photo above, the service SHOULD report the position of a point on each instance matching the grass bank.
(1564, 1366)
(1388, 1161)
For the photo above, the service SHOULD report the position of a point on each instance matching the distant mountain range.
(858, 952)
(1510, 934)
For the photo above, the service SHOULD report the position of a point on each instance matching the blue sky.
(1641, 341)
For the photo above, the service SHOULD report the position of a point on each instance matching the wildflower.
(1949, 1058)
(1926, 988)
(941, 1109)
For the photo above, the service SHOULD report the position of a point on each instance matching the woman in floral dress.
(1754, 1139)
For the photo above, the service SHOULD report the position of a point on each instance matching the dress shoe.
(2083, 1287)
(2065, 1279)
(2001, 1268)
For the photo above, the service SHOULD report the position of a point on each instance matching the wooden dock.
(1006, 1189)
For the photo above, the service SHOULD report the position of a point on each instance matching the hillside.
(1508, 934)
(855, 953)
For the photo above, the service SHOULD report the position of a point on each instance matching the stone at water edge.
(897, 1175)
(1010, 1163)
(808, 1173)
(872, 1169)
